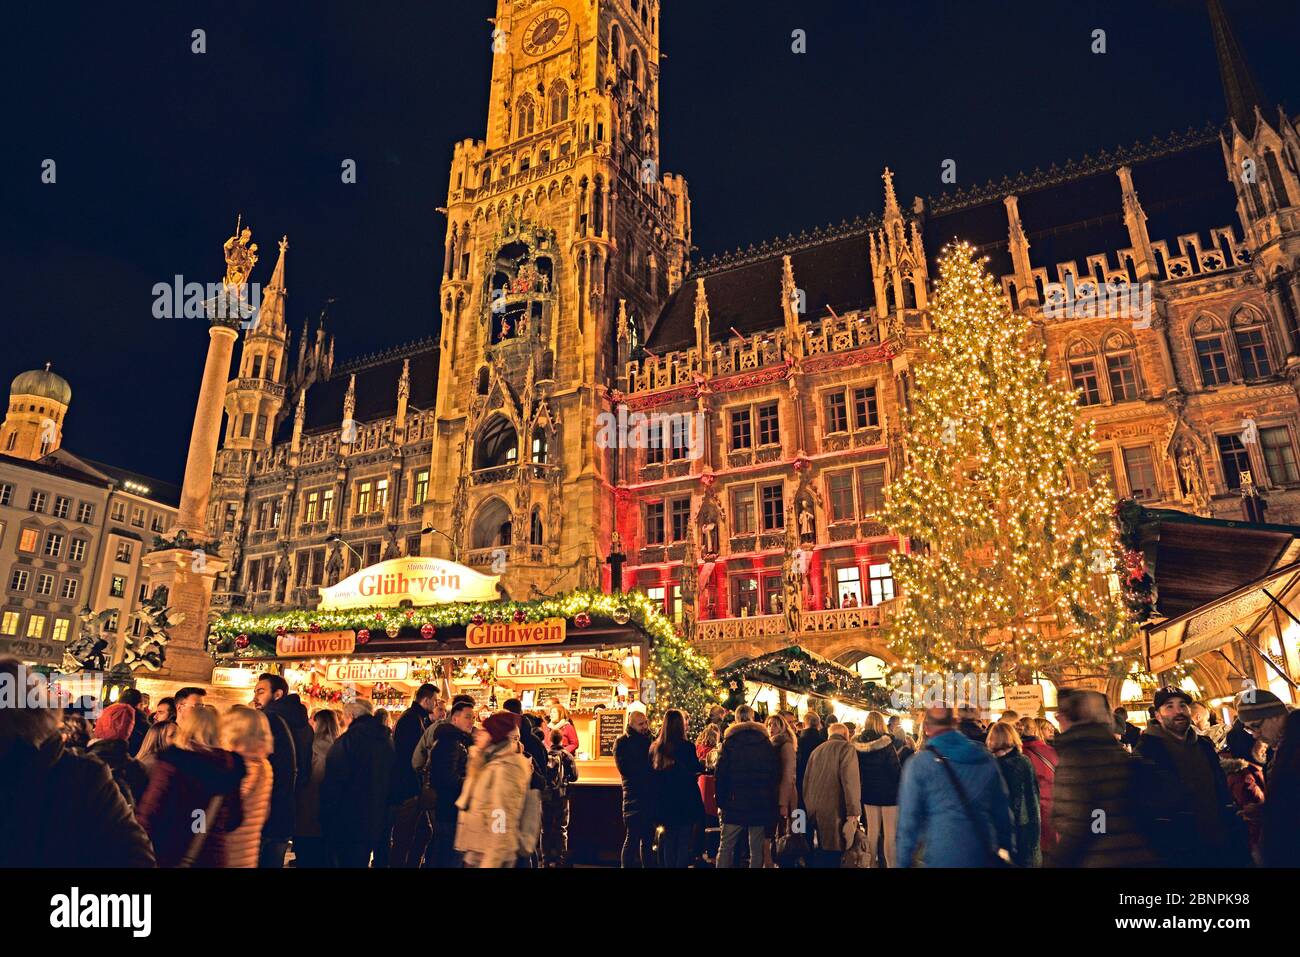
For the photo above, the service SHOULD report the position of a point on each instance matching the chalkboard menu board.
(542, 699)
(609, 728)
(480, 694)
(592, 696)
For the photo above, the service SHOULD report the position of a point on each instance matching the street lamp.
(361, 562)
(455, 548)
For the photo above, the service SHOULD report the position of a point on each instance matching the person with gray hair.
(354, 791)
(60, 809)
(1100, 793)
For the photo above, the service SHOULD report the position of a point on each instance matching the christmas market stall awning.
(804, 672)
(1235, 616)
(676, 676)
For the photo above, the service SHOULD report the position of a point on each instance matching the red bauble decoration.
(314, 627)
(363, 635)
(582, 619)
(478, 618)
(279, 631)
(427, 632)
(379, 616)
(241, 641)
(519, 616)
(410, 613)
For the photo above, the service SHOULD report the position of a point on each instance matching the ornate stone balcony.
(773, 626)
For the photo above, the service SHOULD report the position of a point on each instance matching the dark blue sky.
(158, 148)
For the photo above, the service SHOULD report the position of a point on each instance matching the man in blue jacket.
(936, 828)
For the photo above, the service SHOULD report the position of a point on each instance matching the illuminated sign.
(601, 668)
(320, 643)
(548, 667)
(233, 678)
(505, 633)
(368, 671)
(418, 581)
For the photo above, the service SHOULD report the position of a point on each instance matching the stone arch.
(492, 526)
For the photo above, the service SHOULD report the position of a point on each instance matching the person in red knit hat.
(491, 804)
(111, 744)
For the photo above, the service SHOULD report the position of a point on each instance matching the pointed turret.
(255, 400)
(791, 301)
(702, 339)
(1240, 92)
(271, 316)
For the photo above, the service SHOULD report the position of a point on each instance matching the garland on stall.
(1139, 587)
(676, 676)
(795, 669)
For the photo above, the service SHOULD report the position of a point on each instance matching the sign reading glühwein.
(410, 580)
(368, 671)
(319, 643)
(507, 633)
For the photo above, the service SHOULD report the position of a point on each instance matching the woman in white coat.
(492, 801)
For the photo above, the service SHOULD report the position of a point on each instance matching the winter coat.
(878, 769)
(632, 758)
(536, 751)
(677, 789)
(243, 844)
(129, 773)
(787, 788)
(447, 761)
(138, 730)
(809, 739)
(832, 792)
(291, 735)
(1098, 781)
(904, 748)
(354, 791)
(491, 806)
(747, 776)
(934, 827)
(405, 783)
(307, 818)
(1196, 822)
(1246, 784)
(1042, 758)
(1279, 839)
(1022, 797)
(973, 730)
(180, 783)
(63, 810)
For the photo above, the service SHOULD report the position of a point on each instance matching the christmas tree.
(1014, 540)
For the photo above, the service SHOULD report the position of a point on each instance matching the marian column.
(188, 564)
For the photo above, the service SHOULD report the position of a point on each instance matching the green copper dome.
(44, 383)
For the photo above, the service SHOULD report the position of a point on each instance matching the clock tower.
(564, 239)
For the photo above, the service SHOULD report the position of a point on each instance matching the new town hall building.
(568, 295)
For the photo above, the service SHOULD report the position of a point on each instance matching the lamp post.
(361, 562)
(455, 548)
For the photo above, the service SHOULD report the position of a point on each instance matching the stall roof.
(784, 669)
(1196, 560)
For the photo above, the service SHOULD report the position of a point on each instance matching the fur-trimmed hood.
(875, 744)
(1233, 765)
(738, 726)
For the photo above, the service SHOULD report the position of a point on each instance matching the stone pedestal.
(189, 584)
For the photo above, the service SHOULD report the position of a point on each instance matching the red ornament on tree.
(241, 641)
(427, 632)
(478, 618)
(279, 631)
(410, 613)
(379, 616)
(582, 619)
(314, 627)
(519, 616)
(363, 635)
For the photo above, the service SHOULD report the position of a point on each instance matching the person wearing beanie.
(491, 805)
(1276, 725)
(1197, 824)
(535, 751)
(111, 743)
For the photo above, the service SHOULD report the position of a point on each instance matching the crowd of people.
(266, 785)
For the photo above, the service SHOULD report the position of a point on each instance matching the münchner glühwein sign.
(419, 581)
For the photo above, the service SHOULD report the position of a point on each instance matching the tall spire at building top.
(271, 317)
(1239, 89)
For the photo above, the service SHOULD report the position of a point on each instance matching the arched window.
(634, 67)
(497, 444)
(540, 449)
(525, 116)
(1082, 361)
(559, 102)
(535, 527)
(1252, 344)
(492, 527)
(1275, 178)
(909, 289)
(616, 44)
(1211, 352)
(1121, 367)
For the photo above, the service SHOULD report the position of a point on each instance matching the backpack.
(557, 771)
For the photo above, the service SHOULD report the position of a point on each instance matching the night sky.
(158, 148)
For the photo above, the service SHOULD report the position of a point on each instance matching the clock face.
(546, 32)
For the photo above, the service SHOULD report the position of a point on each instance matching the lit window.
(421, 492)
(848, 586)
(1279, 455)
(124, 551)
(1141, 473)
(313, 504)
(327, 505)
(9, 623)
(36, 626)
(742, 510)
(381, 495)
(27, 541)
(118, 588)
(363, 498)
(882, 583)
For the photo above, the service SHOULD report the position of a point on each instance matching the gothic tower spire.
(1239, 89)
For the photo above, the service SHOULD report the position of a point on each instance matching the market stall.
(799, 679)
(393, 626)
